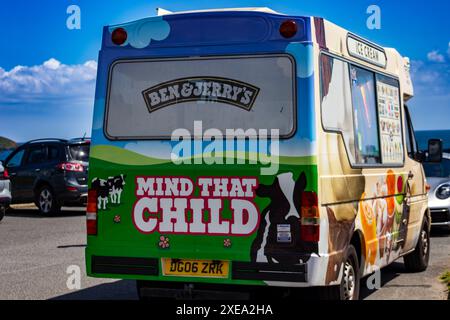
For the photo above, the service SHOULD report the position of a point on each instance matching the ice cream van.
(242, 149)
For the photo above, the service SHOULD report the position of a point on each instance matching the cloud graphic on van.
(142, 32)
(304, 57)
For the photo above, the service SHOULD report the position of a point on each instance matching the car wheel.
(46, 201)
(2, 213)
(417, 260)
(350, 282)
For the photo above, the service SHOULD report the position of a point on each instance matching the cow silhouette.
(282, 212)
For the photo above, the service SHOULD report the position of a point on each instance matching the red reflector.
(91, 227)
(288, 28)
(119, 36)
(91, 213)
(92, 201)
(309, 199)
(71, 188)
(310, 233)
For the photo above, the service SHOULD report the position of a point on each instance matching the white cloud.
(435, 56)
(50, 80)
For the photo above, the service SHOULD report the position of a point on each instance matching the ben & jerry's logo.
(233, 92)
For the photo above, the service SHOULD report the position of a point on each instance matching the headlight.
(443, 192)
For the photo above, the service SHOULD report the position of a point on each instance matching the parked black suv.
(50, 172)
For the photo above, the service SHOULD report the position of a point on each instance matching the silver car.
(438, 177)
(5, 191)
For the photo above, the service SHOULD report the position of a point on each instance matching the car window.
(411, 144)
(36, 155)
(79, 152)
(53, 153)
(16, 160)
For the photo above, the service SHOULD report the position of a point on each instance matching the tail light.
(119, 36)
(91, 213)
(310, 219)
(288, 29)
(4, 175)
(71, 166)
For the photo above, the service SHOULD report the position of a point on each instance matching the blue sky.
(47, 72)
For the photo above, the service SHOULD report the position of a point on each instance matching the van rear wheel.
(348, 289)
(417, 261)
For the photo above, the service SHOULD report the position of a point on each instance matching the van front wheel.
(350, 282)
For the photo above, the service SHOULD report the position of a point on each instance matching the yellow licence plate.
(195, 268)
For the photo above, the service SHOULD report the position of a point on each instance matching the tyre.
(46, 201)
(417, 260)
(350, 282)
(2, 213)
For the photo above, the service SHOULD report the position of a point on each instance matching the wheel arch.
(357, 240)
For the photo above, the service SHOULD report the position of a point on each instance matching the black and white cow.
(116, 187)
(108, 189)
(281, 216)
(102, 188)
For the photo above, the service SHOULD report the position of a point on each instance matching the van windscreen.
(150, 99)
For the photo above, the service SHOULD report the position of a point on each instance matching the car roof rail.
(81, 139)
(44, 140)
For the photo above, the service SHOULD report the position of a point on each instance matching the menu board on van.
(390, 122)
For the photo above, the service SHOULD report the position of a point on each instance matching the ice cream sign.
(366, 51)
(178, 205)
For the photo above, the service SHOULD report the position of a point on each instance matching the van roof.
(162, 12)
(336, 40)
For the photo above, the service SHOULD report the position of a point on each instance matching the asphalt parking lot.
(36, 252)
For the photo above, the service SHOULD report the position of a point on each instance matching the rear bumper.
(75, 196)
(239, 270)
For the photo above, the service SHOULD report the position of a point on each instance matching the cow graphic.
(102, 188)
(282, 212)
(109, 189)
(116, 187)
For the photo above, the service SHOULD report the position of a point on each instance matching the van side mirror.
(435, 150)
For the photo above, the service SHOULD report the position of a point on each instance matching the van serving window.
(150, 99)
(365, 120)
(368, 117)
(390, 123)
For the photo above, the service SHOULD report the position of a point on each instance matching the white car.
(5, 191)
(438, 177)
